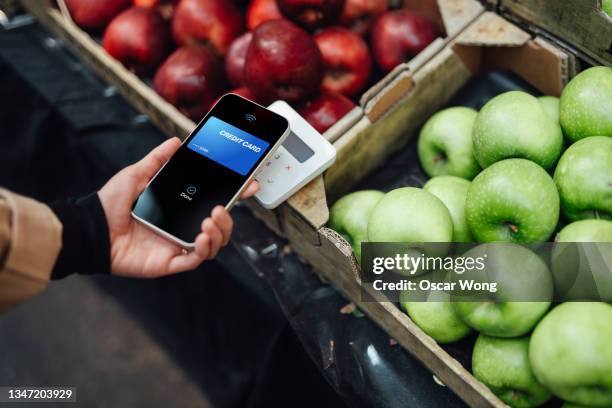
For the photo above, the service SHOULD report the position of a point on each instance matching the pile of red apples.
(318, 55)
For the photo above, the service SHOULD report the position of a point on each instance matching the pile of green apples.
(521, 170)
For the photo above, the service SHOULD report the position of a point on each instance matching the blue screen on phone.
(229, 146)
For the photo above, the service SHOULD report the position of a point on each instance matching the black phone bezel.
(234, 109)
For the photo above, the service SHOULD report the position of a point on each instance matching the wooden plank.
(298, 228)
(343, 125)
(162, 113)
(311, 203)
(491, 29)
(457, 14)
(580, 23)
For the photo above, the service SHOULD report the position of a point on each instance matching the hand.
(136, 251)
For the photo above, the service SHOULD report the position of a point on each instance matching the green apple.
(501, 319)
(349, 216)
(586, 231)
(606, 6)
(584, 178)
(571, 355)
(515, 124)
(436, 316)
(445, 144)
(551, 106)
(523, 292)
(583, 271)
(513, 200)
(503, 366)
(586, 103)
(452, 191)
(410, 214)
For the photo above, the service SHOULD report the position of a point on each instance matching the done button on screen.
(228, 145)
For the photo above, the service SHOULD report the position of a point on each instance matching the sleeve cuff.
(85, 237)
(34, 241)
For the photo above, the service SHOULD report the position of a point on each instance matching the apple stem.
(512, 227)
(516, 394)
(438, 158)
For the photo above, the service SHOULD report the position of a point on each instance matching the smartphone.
(215, 163)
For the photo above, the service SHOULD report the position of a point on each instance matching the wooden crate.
(490, 43)
(581, 24)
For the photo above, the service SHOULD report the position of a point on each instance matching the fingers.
(152, 162)
(216, 237)
(216, 233)
(185, 262)
(202, 246)
(225, 223)
(192, 260)
(218, 228)
(251, 190)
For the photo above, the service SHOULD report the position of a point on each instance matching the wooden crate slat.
(580, 23)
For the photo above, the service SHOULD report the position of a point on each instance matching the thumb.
(146, 168)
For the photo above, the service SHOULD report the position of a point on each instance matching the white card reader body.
(303, 156)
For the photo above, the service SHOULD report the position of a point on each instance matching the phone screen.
(210, 167)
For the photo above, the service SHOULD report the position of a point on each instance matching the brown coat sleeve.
(30, 241)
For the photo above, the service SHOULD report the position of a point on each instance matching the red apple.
(283, 62)
(191, 79)
(164, 7)
(244, 92)
(146, 3)
(359, 15)
(95, 14)
(214, 23)
(235, 58)
(326, 109)
(311, 14)
(400, 35)
(260, 11)
(139, 38)
(347, 60)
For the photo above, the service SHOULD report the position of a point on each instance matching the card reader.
(303, 155)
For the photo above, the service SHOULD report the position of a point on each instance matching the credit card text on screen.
(228, 145)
